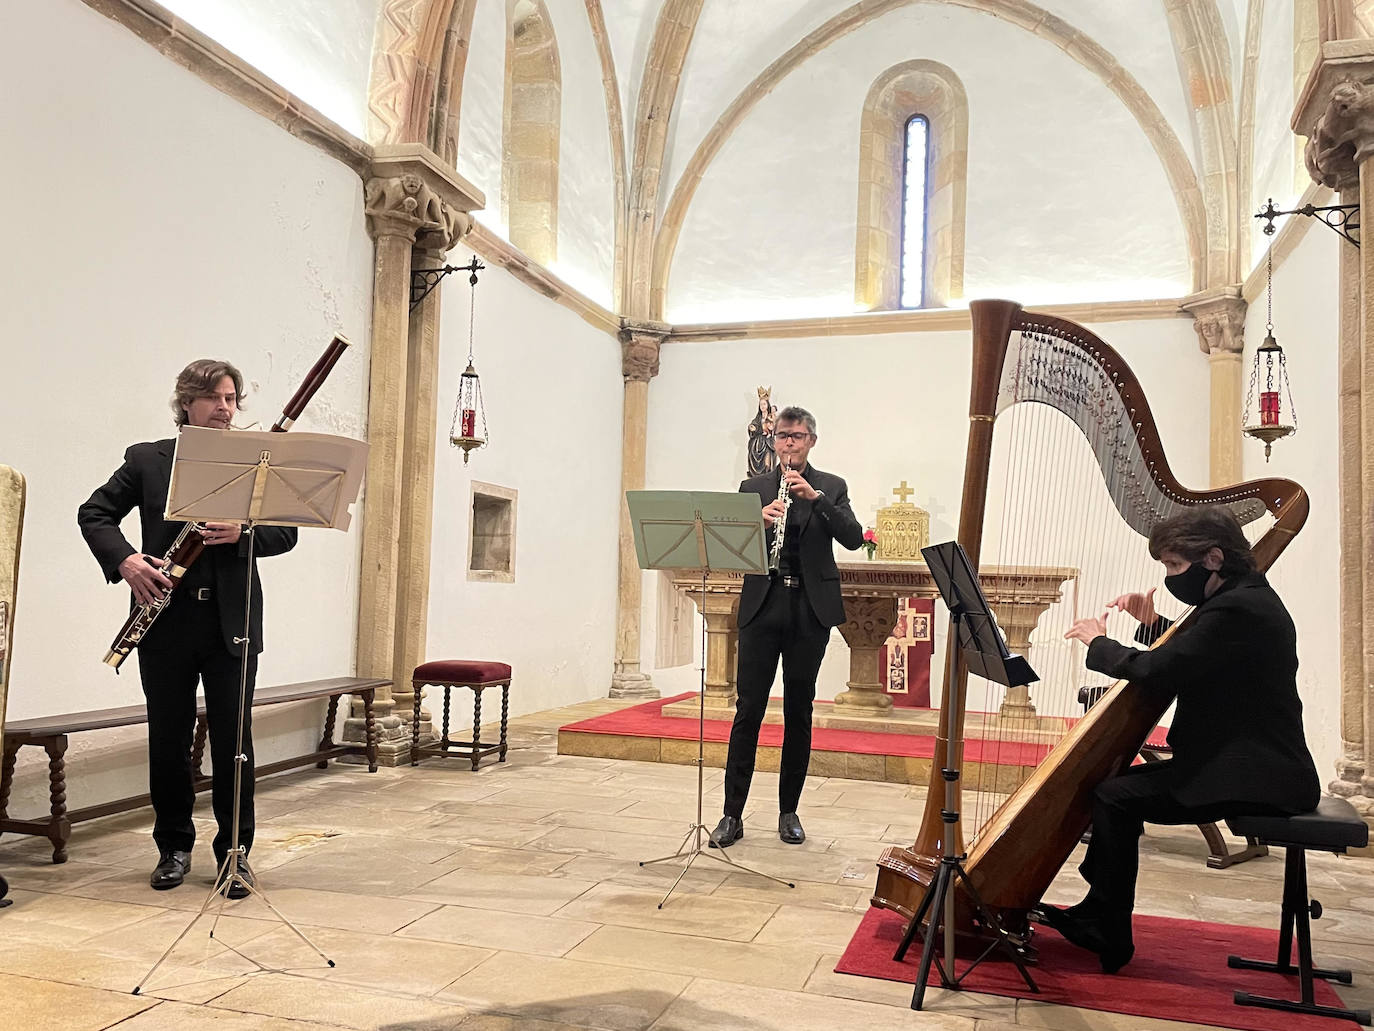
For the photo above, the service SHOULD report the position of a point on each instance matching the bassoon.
(190, 542)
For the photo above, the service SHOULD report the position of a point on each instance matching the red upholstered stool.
(451, 673)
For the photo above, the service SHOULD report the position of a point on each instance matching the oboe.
(190, 542)
(780, 527)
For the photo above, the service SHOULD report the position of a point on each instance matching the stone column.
(412, 203)
(639, 344)
(868, 624)
(1336, 113)
(1219, 319)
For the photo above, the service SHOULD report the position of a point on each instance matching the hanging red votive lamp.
(1269, 376)
(468, 409)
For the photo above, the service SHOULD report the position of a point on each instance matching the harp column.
(640, 341)
(1219, 319)
(1336, 112)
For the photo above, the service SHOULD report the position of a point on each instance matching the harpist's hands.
(144, 578)
(1141, 606)
(1086, 630)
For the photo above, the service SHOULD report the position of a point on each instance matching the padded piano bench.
(476, 676)
(1333, 826)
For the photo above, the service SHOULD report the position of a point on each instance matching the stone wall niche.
(491, 539)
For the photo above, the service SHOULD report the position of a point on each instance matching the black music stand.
(257, 479)
(974, 631)
(695, 532)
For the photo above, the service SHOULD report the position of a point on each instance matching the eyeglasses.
(797, 438)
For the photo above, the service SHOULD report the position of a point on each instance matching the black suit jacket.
(142, 483)
(1237, 731)
(828, 519)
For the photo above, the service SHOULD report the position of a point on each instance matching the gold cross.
(903, 492)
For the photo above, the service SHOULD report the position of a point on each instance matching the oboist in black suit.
(787, 614)
(1237, 738)
(193, 639)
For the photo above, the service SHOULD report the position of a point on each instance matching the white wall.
(1306, 303)
(320, 50)
(553, 394)
(165, 222)
(586, 187)
(1052, 165)
(1274, 155)
(888, 408)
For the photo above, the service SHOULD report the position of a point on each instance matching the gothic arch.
(531, 123)
(931, 90)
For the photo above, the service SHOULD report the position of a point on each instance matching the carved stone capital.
(414, 195)
(640, 341)
(1219, 319)
(1336, 112)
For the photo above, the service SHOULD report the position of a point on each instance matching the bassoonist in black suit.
(787, 615)
(193, 640)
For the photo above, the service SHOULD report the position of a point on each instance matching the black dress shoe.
(171, 870)
(727, 832)
(790, 829)
(237, 889)
(1113, 946)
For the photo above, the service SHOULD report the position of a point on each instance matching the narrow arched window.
(914, 178)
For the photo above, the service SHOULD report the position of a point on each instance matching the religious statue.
(903, 528)
(762, 458)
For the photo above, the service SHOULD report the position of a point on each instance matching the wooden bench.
(50, 733)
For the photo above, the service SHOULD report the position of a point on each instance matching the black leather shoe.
(727, 832)
(1114, 950)
(171, 870)
(790, 829)
(237, 890)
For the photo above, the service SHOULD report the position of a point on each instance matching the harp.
(1028, 361)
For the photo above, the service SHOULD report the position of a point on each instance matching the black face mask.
(1189, 586)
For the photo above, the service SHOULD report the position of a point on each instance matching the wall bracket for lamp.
(1343, 218)
(423, 280)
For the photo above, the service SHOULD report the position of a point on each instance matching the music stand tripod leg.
(229, 872)
(699, 828)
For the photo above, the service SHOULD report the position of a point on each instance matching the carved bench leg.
(505, 712)
(7, 777)
(476, 726)
(59, 828)
(198, 748)
(415, 727)
(370, 723)
(327, 738)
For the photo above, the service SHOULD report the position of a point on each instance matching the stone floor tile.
(591, 994)
(824, 981)
(63, 1007)
(826, 929)
(172, 1014)
(512, 932)
(498, 859)
(388, 963)
(307, 999)
(770, 966)
(705, 915)
(371, 914)
(510, 893)
(731, 1007)
(1070, 1018)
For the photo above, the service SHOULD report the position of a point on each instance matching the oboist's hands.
(222, 533)
(144, 576)
(797, 487)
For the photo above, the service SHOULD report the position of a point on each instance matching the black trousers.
(1122, 805)
(787, 628)
(189, 649)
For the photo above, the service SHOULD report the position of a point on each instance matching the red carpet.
(1179, 973)
(647, 720)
